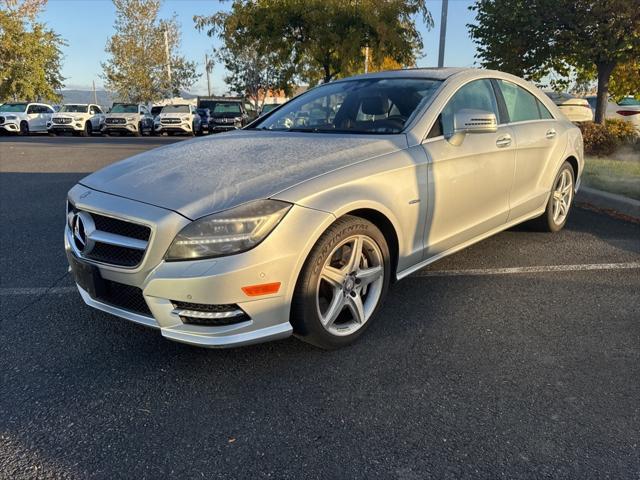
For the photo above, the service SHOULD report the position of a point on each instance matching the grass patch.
(620, 174)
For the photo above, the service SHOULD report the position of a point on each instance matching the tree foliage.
(320, 40)
(137, 67)
(30, 53)
(252, 74)
(531, 38)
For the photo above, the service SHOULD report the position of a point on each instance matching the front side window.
(125, 108)
(354, 106)
(32, 109)
(521, 105)
(476, 95)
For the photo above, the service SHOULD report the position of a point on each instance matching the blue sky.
(87, 24)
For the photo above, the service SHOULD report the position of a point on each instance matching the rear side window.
(545, 114)
(521, 105)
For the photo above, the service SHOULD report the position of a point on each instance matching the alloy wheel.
(350, 285)
(562, 196)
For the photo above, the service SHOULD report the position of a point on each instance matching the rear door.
(537, 134)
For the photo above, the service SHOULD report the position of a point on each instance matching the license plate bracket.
(87, 276)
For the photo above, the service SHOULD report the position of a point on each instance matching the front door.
(469, 184)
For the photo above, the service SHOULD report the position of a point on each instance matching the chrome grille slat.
(118, 240)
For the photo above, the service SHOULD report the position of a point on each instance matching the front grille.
(123, 296)
(224, 121)
(208, 308)
(118, 255)
(170, 121)
(121, 227)
(61, 120)
(116, 121)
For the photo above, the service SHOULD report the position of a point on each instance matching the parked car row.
(579, 109)
(212, 115)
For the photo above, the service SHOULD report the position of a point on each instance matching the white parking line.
(474, 272)
(515, 270)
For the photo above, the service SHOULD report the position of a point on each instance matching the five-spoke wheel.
(342, 284)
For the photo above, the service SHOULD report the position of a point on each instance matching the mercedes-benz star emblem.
(82, 227)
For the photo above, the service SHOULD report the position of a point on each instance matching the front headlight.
(130, 119)
(232, 231)
(11, 117)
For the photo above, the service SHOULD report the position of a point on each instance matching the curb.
(609, 201)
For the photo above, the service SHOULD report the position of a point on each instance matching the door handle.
(503, 141)
(551, 133)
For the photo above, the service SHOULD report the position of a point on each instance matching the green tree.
(532, 38)
(30, 53)
(322, 39)
(137, 67)
(252, 74)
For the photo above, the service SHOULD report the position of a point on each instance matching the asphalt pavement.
(518, 357)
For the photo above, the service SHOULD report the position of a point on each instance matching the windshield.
(176, 109)
(376, 105)
(125, 108)
(13, 107)
(74, 108)
(628, 102)
(226, 108)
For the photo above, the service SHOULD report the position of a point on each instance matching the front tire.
(86, 132)
(342, 284)
(24, 129)
(558, 208)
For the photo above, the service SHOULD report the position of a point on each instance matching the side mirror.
(472, 121)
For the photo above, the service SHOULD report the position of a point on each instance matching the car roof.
(434, 73)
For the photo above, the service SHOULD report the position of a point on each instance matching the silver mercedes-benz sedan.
(299, 223)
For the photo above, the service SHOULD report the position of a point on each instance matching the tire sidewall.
(305, 319)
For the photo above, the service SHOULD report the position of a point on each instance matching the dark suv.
(226, 115)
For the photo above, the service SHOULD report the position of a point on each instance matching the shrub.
(603, 140)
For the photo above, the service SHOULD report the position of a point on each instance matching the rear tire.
(342, 284)
(558, 208)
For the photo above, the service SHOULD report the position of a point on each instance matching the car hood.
(210, 174)
(74, 115)
(174, 115)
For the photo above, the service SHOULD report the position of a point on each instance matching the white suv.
(24, 117)
(78, 118)
(181, 118)
(128, 118)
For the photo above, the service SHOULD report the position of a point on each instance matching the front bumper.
(175, 127)
(120, 127)
(67, 127)
(10, 127)
(217, 281)
(216, 128)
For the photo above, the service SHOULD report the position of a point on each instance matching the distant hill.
(105, 98)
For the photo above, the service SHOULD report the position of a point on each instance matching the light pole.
(443, 32)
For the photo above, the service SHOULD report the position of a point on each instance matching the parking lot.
(516, 358)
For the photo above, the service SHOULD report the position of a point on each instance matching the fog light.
(209, 315)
